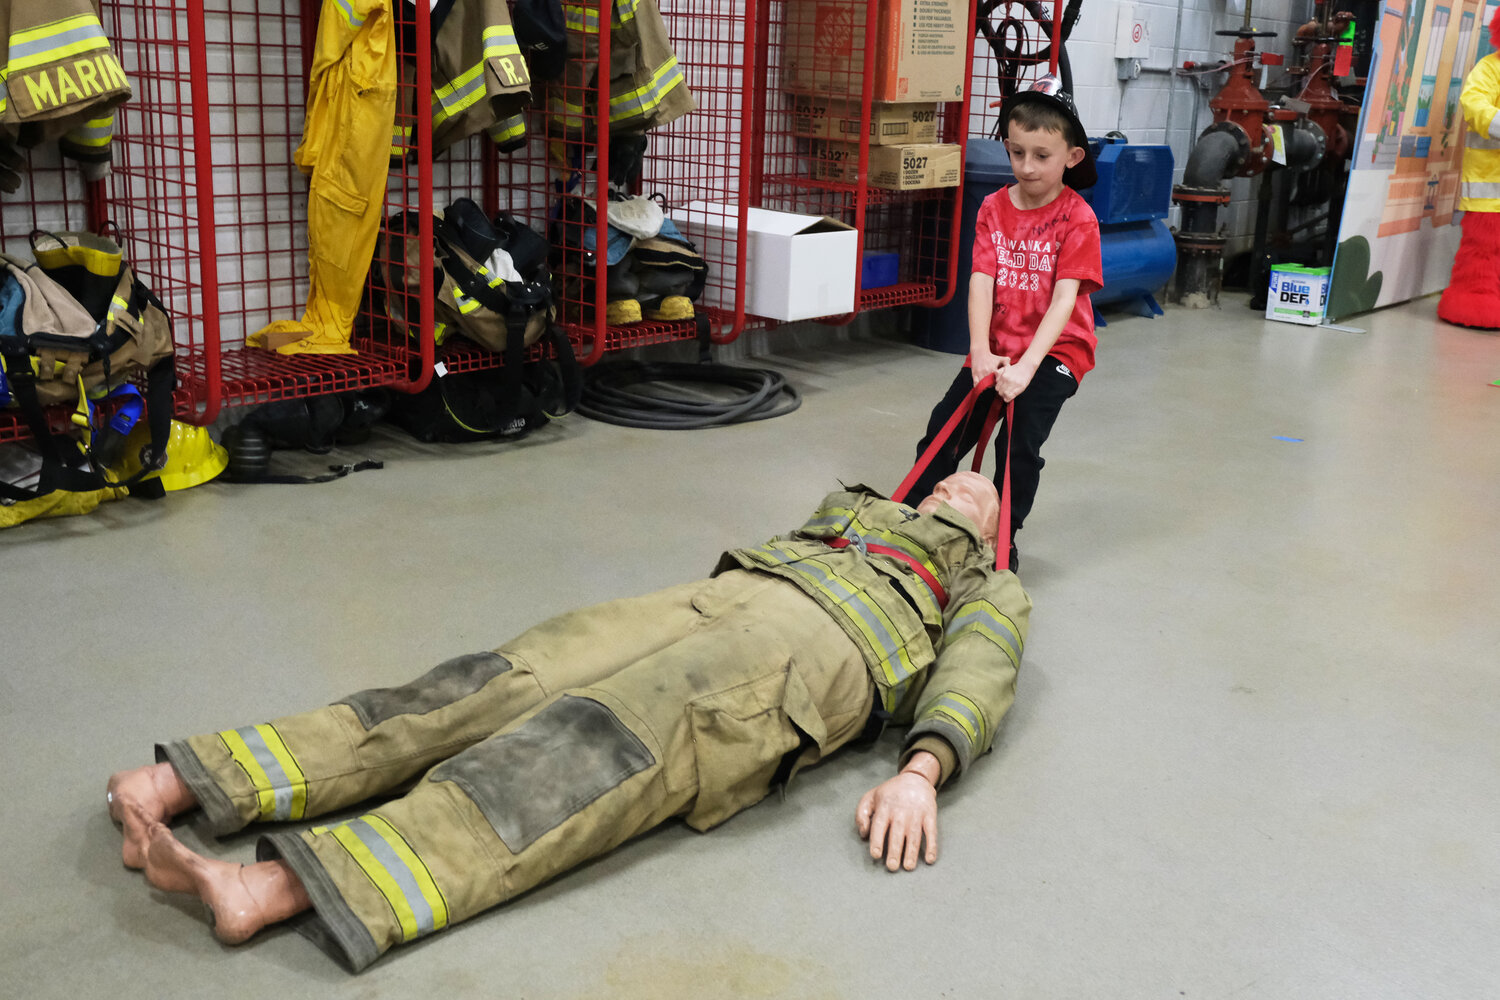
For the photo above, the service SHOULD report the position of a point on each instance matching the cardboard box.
(923, 165)
(796, 266)
(1298, 294)
(835, 161)
(836, 118)
(919, 49)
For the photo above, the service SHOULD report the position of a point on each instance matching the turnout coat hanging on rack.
(59, 80)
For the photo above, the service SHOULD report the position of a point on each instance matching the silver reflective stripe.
(952, 704)
(354, 20)
(979, 618)
(19, 54)
(1476, 141)
(1480, 189)
(1494, 129)
(855, 604)
(281, 784)
(94, 135)
(399, 873)
(838, 522)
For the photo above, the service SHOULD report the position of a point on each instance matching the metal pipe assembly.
(1251, 135)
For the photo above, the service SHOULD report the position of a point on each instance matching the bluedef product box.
(1298, 294)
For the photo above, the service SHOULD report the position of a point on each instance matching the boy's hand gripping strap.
(1002, 534)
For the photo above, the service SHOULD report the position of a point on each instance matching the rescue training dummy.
(1472, 297)
(600, 724)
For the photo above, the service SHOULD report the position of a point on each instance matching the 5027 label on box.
(912, 167)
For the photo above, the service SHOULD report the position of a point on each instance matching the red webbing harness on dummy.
(1002, 535)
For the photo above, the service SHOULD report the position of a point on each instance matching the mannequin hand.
(982, 364)
(895, 816)
(1012, 379)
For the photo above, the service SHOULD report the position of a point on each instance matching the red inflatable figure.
(1473, 294)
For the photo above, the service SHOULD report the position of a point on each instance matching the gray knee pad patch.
(440, 687)
(528, 781)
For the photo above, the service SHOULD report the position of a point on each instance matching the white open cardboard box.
(796, 266)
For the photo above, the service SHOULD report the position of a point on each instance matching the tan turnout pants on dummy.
(583, 732)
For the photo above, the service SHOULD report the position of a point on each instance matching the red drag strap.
(1002, 534)
(916, 567)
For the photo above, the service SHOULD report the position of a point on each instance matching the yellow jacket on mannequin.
(1480, 99)
(350, 111)
(59, 80)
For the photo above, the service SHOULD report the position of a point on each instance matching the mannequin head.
(973, 496)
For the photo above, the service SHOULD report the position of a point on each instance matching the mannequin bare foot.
(241, 899)
(140, 797)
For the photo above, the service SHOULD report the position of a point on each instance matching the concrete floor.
(1253, 753)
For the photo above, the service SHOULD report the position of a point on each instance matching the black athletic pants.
(1035, 412)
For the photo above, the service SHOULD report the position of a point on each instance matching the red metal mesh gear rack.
(559, 182)
(208, 206)
(210, 209)
(789, 173)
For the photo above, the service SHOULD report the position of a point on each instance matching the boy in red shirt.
(1036, 261)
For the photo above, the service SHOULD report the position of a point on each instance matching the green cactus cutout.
(1352, 289)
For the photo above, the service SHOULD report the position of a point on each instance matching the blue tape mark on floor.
(1279, 437)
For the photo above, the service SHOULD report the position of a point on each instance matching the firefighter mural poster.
(1399, 228)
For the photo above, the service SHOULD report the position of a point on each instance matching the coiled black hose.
(681, 396)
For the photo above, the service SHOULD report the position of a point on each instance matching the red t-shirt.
(1026, 251)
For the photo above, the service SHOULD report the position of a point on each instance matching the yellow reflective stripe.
(500, 40)
(98, 132)
(400, 140)
(984, 619)
(484, 273)
(420, 874)
(577, 18)
(507, 129)
(840, 521)
(51, 42)
(439, 332)
(350, 16)
(868, 617)
(372, 844)
(568, 114)
(280, 787)
(963, 713)
(466, 305)
(384, 855)
(458, 95)
(641, 100)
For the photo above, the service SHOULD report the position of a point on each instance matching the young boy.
(1036, 260)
